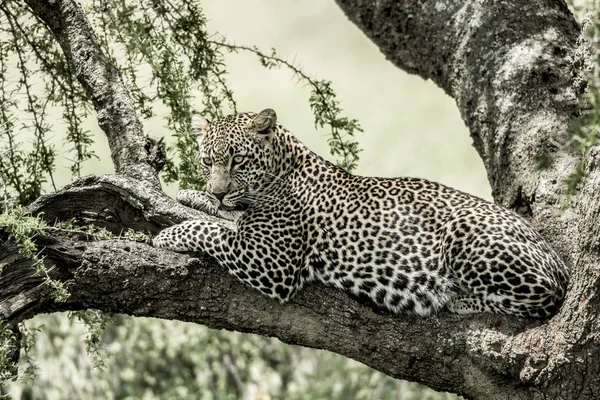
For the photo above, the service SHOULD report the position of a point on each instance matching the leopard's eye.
(237, 160)
(206, 161)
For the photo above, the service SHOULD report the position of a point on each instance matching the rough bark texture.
(513, 68)
(134, 278)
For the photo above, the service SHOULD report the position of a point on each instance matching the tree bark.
(515, 71)
(120, 276)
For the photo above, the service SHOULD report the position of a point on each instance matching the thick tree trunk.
(516, 72)
(512, 67)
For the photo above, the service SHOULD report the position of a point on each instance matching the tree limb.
(134, 278)
(103, 84)
(474, 356)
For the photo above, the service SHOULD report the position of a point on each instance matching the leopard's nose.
(220, 196)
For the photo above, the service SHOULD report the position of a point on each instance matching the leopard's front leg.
(257, 261)
(197, 200)
(202, 201)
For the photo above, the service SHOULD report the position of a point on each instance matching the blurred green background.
(411, 128)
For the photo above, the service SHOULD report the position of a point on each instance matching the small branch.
(5, 200)
(234, 373)
(43, 153)
(102, 82)
(115, 203)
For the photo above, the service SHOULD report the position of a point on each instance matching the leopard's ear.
(263, 123)
(198, 125)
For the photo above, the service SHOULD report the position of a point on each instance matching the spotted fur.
(406, 245)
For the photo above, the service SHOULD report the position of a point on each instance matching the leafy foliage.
(7, 346)
(28, 368)
(170, 39)
(44, 81)
(96, 322)
(23, 229)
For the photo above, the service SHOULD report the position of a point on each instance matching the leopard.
(402, 245)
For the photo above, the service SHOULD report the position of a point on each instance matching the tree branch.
(136, 279)
(475, 356)
(103, 84)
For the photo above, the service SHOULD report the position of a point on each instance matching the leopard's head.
(239, 156)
